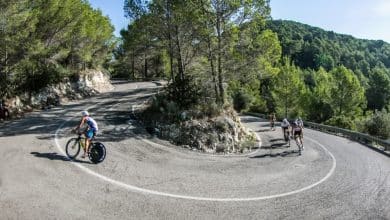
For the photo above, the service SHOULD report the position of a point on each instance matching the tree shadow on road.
(55, 156)
(275, 146)
(263, 130)
(280, 154)
(251, 119)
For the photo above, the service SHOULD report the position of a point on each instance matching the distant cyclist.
(272, 119)
(299, 122)
(90, 132)
(285, 128)
(297, 132)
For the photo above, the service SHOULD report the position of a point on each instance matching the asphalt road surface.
(146, 178)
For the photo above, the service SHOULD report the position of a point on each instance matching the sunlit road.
(146, 178)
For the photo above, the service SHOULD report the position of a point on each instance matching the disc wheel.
(97, 153)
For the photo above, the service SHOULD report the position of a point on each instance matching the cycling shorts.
(298, 133)
(90, 133)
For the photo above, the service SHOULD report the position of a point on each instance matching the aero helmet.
(84, 113)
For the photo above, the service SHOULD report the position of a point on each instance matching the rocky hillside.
(90, 82)
(220, 134)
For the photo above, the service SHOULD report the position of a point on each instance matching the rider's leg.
(88, 136)
(87, 142)
(301, 138)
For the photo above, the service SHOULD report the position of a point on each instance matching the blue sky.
(114, 10)
(369, 19)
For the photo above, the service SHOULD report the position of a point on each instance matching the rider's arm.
(81, 123)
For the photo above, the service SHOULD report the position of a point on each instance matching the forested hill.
(46, 42)
(312, 47)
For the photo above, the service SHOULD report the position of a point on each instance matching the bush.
(258, 105)
(211, 109)
(342, 121)
(184, 92)
(378, 124)
(241, 100)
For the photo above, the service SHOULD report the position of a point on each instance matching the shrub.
(211, 109)
(342, 121)
(258, 105)
(241, 100)
(378, 124)
(185, 92)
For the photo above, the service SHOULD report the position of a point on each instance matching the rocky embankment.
(90, 82)
(221, 134)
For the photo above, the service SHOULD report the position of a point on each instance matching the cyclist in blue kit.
(90, 132)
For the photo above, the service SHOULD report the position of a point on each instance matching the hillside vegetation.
(44, 42)
(312, 47)
(216, 55)
(228, 53)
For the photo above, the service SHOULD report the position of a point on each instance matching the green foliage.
(246, 96)
(318, 108)
(210, 110)
(289, 90)
(45, 41)
(184, 92)
(378, 124)
(347, 95)
(378, 92)
(258, 105)
(206, 39)
(241, 100)
(311, 47)
(342, 121)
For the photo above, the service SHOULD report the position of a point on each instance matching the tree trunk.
(146, 67)
(133, 66)
(179, 58)
(168, 16)
(210, 55)
(219, 59)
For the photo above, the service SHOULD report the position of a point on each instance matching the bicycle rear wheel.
(72, 148)
(97, 152)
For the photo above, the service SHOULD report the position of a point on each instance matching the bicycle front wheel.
(72, 148)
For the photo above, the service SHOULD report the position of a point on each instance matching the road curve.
(146, 178)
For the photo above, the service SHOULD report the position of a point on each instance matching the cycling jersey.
(297, 128)
(299, 122)
(91, 124)
(285, 124)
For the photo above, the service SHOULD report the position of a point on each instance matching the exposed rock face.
(95, 80)
(223, 134)
(89, 83)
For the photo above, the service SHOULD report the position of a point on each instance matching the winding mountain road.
(147, 178)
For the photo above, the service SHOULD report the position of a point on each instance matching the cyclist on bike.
(285, 128)
(299, 122)
(272, 119)
(297, 132)
(90, 131)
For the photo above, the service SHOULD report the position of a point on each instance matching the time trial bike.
(96, 152)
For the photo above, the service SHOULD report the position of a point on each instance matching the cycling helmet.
(285, 120)
(84, 113)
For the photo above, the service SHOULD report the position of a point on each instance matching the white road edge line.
(153, 192)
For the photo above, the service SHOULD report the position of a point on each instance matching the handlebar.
(77, 131)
